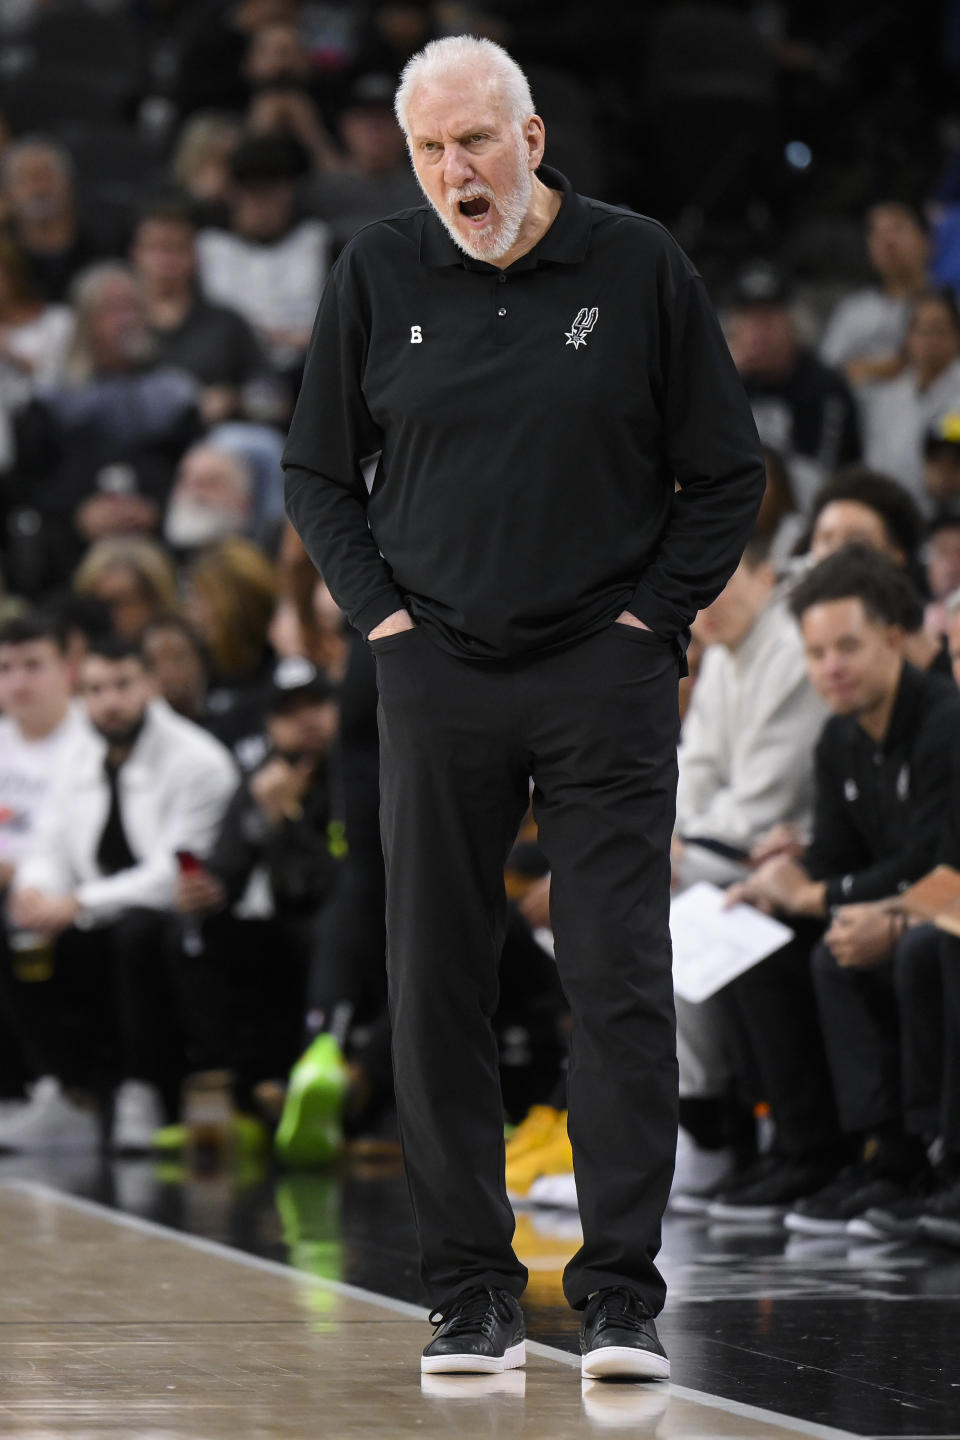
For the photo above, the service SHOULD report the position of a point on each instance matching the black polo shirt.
(533, 426)
(880, 808)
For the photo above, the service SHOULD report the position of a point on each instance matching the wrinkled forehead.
(460, 101)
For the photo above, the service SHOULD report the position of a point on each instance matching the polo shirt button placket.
(502, 337)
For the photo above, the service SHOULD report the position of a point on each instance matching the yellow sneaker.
(536, 1126)
(553, 1156)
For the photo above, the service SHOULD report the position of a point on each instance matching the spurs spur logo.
(581, 327)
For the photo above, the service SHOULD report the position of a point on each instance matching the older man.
(568, 471)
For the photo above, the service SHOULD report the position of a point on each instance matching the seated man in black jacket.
(249, 912)
(882, 776)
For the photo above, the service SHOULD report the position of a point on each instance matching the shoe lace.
(621, 1309)
(470, 1312)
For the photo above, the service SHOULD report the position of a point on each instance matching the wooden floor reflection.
(111, 1326)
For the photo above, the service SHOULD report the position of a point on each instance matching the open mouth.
(475, 208)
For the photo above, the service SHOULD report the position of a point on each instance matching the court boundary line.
(220, 1250)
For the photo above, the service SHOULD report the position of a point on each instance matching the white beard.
(512, 208)
(188, 524)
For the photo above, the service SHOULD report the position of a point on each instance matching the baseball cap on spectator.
(295, 680)
(760, 282)
(944, 433)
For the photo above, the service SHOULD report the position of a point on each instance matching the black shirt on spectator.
(817, 413)
(212, 343)
(880, 806)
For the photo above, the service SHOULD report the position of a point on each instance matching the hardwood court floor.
(172, 1308)
(113, 1327)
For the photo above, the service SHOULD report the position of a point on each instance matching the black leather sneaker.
(774, 1192)
(479, 1332)
(618, 1338)
(857, 1189)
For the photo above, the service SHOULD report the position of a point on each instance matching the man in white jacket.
(746, 765)
(139, 785)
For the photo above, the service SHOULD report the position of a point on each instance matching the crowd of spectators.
(188, 755)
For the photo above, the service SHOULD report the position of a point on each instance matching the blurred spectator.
(941, 460)
(211, 342)
(38, 194)
(952, 608)
(390, 32)
(103, 445)
(376, 177)
(37, 725)
(745, 765)
(276, 55)
(269, 263)
(898, 413)
(34, 336)
(942, 566)
(746, 754)
(270, 870)
(83, 619)
(259, 448)
(779, 524)
(214, 47)
(280, 70)
(140, 785)
(133, 577)
(289, 112)
(212, 497)
(858, 505)
(865, 333)
(176, 659)
(883, 766)
(231, 594)
(201, 163)
(803, 409)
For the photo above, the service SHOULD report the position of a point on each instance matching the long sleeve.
(204, 786)
(703, 761)
(331, 434)
(771, 777)
(713, 450)
(47, 866)
(837, 853)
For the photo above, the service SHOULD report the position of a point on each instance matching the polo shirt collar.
(565, 242)
(912, 699)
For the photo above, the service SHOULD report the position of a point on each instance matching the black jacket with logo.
(558, 441)
(880, 807)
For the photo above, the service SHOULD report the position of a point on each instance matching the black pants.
(103, 1012)
(883, 1031)
(779, 1049)
(241, 1001)
(949, 948)
(595, 726)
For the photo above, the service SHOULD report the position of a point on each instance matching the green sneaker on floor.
(171, 1139)
(310, 1130)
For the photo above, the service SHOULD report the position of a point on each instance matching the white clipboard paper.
(712, 946)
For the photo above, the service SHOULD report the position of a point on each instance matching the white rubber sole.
(731, 1211)
(812, 1225)
(511, 1359)
(625, 1361)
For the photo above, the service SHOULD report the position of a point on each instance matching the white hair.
(441, 58)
